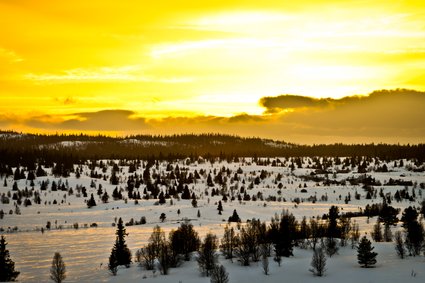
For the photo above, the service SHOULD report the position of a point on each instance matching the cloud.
(392, 116)
(288, 101)
(130, 73)
(105, 120)
(378, 116)
(10, 55)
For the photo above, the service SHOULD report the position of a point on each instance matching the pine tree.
(58, 269)
(162, 217)
(91, 202)
(235, 217)
(105, 197)
(113, 264)
(219, 207)
(120, 250)
(365, 255)
(7, 266)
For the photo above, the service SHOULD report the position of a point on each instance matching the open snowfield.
(86, 250)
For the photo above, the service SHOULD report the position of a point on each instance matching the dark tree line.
(29, 149)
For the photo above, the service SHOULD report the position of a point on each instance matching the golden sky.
(201, 66)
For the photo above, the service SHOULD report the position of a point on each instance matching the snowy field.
(86, 250)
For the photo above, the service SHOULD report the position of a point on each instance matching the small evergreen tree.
(162, 217)
(219, 207)
(7, 266)
(91, 202)
(235, 217)
(365, 255)
(58, 269)
(105, 197)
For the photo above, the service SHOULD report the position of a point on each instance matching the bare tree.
(146, 257)
(219, 275)
(399, 244)
(388, 236)
(58, 270)
(318, 262)
(354, 234)
(207, 256)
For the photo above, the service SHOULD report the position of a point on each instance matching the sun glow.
(190, 59)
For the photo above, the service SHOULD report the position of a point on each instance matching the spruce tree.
(120, 250)
(113, 264)
(7, 266)
(219, 207)
(91, 202)
(365, 255)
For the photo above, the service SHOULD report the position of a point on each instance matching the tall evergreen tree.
(333, 231)
(7, 266)
(120, 249)
(365, 255)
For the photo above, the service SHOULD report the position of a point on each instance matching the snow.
(86, 250)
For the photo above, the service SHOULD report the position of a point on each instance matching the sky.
(300, 71)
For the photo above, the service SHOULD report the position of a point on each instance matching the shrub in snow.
(318, 262)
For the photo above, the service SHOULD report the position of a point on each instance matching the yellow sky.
(199, 58)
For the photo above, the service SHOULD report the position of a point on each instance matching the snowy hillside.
(50, 213)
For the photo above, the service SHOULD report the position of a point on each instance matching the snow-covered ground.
(86, 250)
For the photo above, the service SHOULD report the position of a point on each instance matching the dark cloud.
(289, 101)
(379, 116)
(383, 116)
(106, 120)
